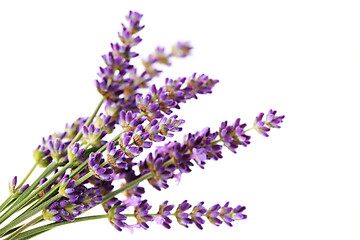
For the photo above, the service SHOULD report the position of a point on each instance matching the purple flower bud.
(162, 173)
(141, 214)
(116, 218)
(110, 90)
(12, 185)
(115, 157)
(233, 135)
(163, 215)
(76, 154)
(134, 22)
(181, 49)
(145, 105)
(105, 123)
(229, 214)
(99, 167)
(213, 214)
(57, 148)
(93, 135)
(20, 190)
(196, 214)
(272, 120)
(181, 216)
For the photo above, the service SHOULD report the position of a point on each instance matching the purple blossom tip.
(97, 165)
(12, 184)
(271, 121)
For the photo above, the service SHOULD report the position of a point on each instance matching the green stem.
(83, 178)
(27, 214)
(20, 202)
(43, 186)
(249, 129)
(23, 227)
(6, 203)
(84, 164)
(81, 167)
(29, 236)
(50, 226)
(89, 121)
(215, 142)
(16, 206)
(127, 186)
(27, 176)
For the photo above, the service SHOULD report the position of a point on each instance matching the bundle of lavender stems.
(97, 160)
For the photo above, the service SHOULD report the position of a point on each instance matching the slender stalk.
(215, 142)
(37, 206)
(27, 214)
(45, 184)
(6, 203)
(16, 206)
(29, 236)
(27, 176)
(127, 186)
(12, 230)
(83, 178)
(23, 227)
(50, 226)
(249, 129)
(31, 196)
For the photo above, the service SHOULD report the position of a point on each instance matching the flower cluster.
(271, 121)
(234, 135)
(75, 200)
(98, 157)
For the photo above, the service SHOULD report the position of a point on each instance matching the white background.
(298, 57)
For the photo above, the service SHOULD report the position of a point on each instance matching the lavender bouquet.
(98, 157)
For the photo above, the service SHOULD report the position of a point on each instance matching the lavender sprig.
(78, 174)
(185, 214)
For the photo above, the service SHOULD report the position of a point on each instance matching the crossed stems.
(29, 195)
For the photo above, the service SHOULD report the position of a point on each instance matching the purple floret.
(234, 135)
(98, 166)
(271, 121)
